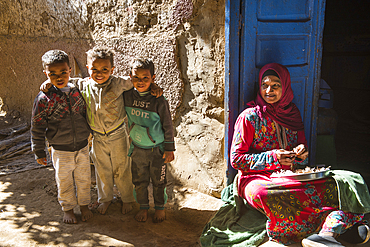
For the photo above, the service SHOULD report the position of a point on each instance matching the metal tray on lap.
(304, 176)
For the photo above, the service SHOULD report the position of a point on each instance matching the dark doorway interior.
(346, 69)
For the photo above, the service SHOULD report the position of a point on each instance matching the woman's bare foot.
(126, 207)
(142, 215)
(102, 208)
(159, 216)
(85, 213)
(69, 217)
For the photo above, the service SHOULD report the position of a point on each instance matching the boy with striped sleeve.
(59, 116)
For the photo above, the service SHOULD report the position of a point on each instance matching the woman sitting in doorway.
(269, 136)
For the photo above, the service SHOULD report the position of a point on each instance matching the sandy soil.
(30, 215)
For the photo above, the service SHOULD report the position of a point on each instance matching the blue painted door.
(258, 32)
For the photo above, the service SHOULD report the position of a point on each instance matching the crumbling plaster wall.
(27, 30)
(200, 123)
(184, 38)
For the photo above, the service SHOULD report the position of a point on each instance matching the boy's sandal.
(318, 241)
(359, 233)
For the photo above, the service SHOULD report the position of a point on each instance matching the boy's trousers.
(112, 165)
(149, 164)
(72, 169)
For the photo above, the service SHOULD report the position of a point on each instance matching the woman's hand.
(285, 158)
(301, 152)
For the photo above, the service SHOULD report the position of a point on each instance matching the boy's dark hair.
(100, 52)
(142, 63)
(54, 57)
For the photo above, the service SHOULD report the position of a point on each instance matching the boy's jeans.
(148, 164)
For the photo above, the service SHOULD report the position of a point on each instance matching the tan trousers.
(73, 176)
(112, 165)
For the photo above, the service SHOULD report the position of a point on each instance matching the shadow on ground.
(31, 216)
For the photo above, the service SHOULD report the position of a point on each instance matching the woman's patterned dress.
(294, 209)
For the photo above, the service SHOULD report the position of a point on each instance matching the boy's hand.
(42, 161)
(168, 156)
(45, 86)
(155, 90)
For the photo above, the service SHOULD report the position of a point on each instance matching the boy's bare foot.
(142, 215)
(102, 208)
(159, 216)
(69, 217)
(93, 206)
(126, 207)
(85, 213)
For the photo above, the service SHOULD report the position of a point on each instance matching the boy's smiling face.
(141, 79)
(58, 74)
(99, 69)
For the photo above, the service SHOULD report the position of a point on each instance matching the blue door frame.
(232, 55)
(252, 39)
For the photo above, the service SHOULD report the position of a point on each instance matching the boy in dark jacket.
(151, 132)
(60, 116)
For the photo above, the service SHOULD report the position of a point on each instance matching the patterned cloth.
(294, 209)
(255, 142)
(61, 119)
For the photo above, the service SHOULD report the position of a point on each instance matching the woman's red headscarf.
(284, 112)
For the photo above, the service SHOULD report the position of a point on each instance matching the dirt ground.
(31, 216)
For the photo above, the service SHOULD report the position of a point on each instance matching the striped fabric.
(73, 177)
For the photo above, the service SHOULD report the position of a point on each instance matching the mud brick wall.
(185, 39)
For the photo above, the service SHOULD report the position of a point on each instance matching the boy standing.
(106, 115)
(60, 116)
(151, 132)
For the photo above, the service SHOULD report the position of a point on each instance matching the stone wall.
(184, 38)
